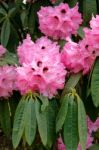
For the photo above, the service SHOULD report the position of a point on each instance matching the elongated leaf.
(46, 122)
(30, 122)
(70, 129)
(45, 102)
(82, 126)
(8, 58)
(95, 84)
(19, 123)
(71, 83)
(2, 11)
(5, 32)
(89, 8)
(94, 147)
(62, 113)
(81, 32)
(42, 122)
(72, 2)
(5, 117)
(51, 116)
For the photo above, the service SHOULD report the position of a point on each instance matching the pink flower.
(44, 72)
(60, 21)
(76, 57)
(25, 50)
(2, 50)
(7, 80)
(92, 35)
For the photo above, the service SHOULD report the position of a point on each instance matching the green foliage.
(5, 117)
(35, 119)
(95, 84)
(70, 129)
(82, 124)
(62, 113)
(19, 123)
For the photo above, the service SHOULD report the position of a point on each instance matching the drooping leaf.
(82, 125)
(94, 147)
(19, 123)
(89, 8)
(62, 113)
(95, 84)
(70, 128)
(5, 32)
(51, 116)
(8, 58)
(71, 83)
(46, 123)
(81, 32)
(5, 117)
(2, 11)
(30, 122)
(72, 3)
(45, 102)
(42, 122)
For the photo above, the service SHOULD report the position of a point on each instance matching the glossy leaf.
(71, 83)
(5, 117)
(89, 8)
(70, 129)
(19, 123)
(82, 125)
(95, 84)
(5, 32)
(62, 113)
(30, 122)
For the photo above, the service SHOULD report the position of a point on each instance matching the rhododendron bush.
(49, 74)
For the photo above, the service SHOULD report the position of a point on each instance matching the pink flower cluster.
(41, 70)
(92, 36)
(7, 77)
(7, 80)
(2, 50)
(92, 127)
(76, 57)
(60, 21)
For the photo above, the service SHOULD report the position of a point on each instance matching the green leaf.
(82, 125)
(71, 83)
(2, 11)
(46, 122)
(5, 117)
(89, 8)
(8, 58)
(94, 147)
(30, 122)
(72, 2)
(19, 123)
(5, 32)
(58, 2)
(70, 128)
(95, 83)
(45, 102)
(42, 122)
(62, 113)
(81, 32)
(52, 111)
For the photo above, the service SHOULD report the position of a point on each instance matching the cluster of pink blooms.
(76, 57)
(92, 36)
(41, 69)
(7, 77)
(92, 127)
(59, 22)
